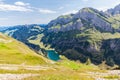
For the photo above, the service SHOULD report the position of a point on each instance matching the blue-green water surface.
(53, 55)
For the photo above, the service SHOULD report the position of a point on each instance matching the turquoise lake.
(53, 55)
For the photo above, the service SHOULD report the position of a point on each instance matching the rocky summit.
(115, 10)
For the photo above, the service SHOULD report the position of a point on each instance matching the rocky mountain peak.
(115, 10)
(87, 9)
(86, 17)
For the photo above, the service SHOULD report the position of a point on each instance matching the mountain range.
(87, 34)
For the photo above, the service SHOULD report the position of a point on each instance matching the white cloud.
(46, 11)
(19, 3)
(16, 7)
(103, 8)
(3, 18)
(70, 12)
(7, 7)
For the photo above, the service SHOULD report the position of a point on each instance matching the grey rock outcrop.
(114, 11)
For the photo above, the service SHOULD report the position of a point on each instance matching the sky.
(19, 12)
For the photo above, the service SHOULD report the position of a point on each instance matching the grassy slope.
(67, 70)
(37, 41)
(62, 70)
(14, 52)
(97, 36)
(115, 20)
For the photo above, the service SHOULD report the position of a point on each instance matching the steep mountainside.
(15, 52)
(88, 34)
(26, 34)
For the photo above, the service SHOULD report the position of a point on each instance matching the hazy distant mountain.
(3, 28)
(115, 10)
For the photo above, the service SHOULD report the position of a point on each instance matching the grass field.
(15, 52)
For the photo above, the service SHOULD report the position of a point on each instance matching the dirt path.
(11, 67)
(17, 67)
(15, 76)
(100, 75)
(95, 75)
